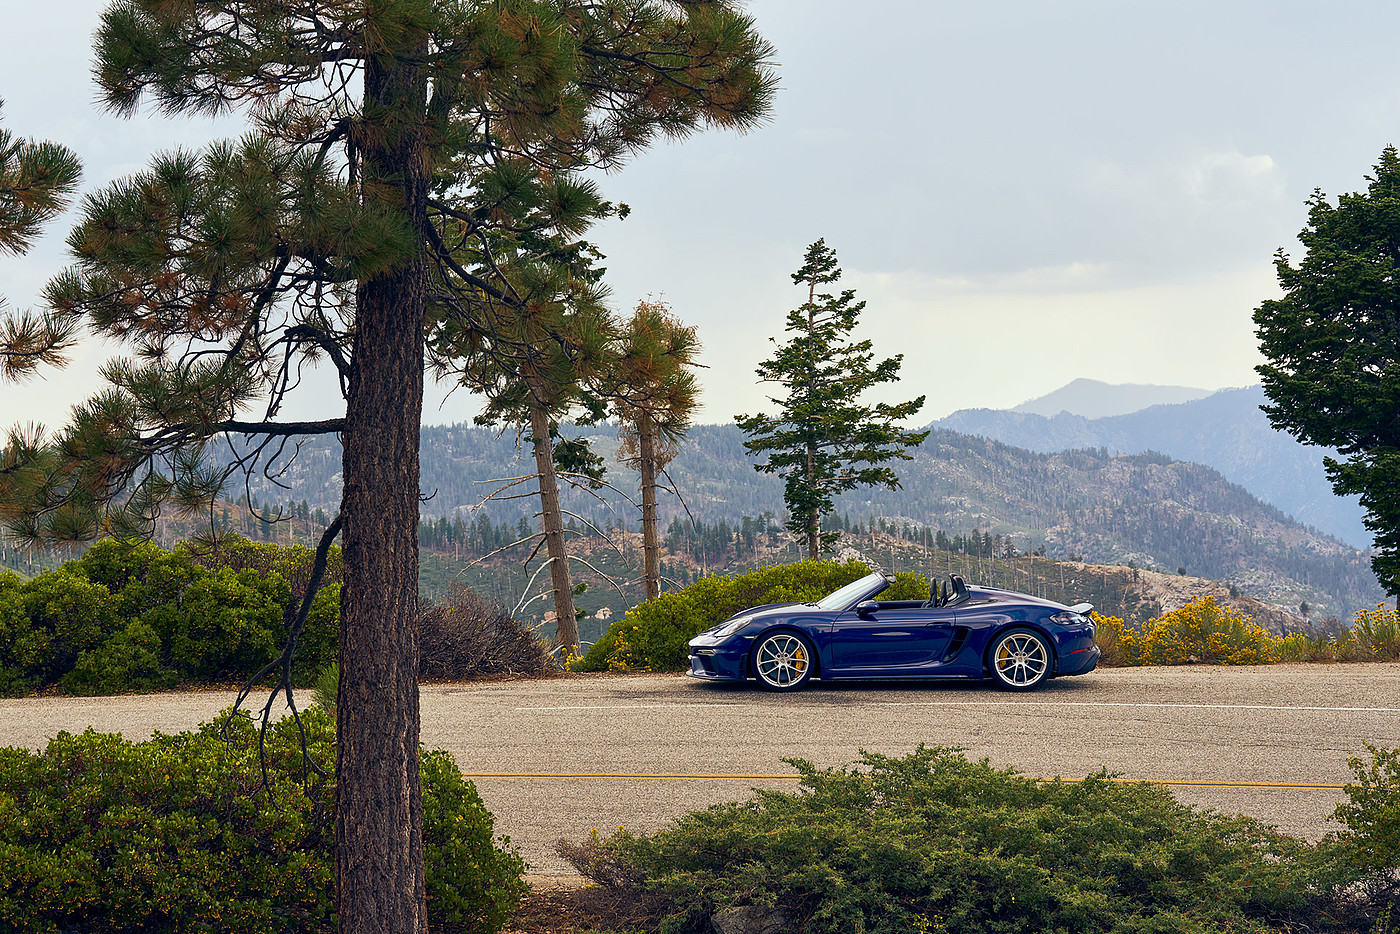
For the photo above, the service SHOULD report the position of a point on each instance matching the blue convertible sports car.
(1016, 640)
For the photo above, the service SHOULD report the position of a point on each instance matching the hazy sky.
(1023, 192)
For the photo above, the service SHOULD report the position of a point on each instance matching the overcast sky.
(1023, 191)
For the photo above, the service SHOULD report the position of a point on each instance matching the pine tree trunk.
(651, 547)
(552, 520)
(380, 886)
(814, 532)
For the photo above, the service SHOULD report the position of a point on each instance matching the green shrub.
(319, 645)
(653, 636)
(1372, 812)
(141, 575)
(933, 842)
(129, 661)
(292, 562)
(70, 615)
(174, 834)
(326, 689)
(21, 645)
(228, 624)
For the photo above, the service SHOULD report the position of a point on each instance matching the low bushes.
(1117, 642)
(175, 834)
(1377, 633)
(136, 618)
(653, 635)
(1205, 632)
(133, 617)
(932, 842)
(467, 636)
(1372, 813)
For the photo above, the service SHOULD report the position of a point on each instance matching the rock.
(752, 919)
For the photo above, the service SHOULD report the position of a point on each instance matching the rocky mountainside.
(1089, 506)
(1225, 430)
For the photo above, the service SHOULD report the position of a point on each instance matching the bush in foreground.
(176, 834)
(932, 842)
(653, 635)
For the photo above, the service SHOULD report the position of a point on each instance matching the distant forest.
(960, 495)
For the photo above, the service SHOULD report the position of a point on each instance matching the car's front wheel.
(1020, 660)
(782, 661)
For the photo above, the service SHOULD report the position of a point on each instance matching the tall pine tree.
(823, 440)
(655, 398)
(1332, 349)
(395, 145)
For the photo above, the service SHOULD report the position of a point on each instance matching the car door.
(894, 638)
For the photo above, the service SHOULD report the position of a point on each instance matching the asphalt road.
(557, 758)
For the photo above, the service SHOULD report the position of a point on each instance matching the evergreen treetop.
(823, 440)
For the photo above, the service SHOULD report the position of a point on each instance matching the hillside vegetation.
(1084, 507)
(1226, 430)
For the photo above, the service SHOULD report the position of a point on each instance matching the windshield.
(867, 586)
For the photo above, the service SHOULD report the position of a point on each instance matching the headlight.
(731, 627)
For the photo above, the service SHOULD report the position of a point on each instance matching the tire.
(782, 661)
(1020, 660)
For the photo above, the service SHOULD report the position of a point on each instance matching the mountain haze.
(1091, 398)
(1225, 430)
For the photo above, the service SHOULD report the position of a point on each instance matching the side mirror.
(866, 608)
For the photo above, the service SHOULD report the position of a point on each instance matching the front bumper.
(724, 662)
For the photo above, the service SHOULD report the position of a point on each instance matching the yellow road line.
(729, 776)
(788, 777)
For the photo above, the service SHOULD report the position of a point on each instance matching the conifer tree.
(37, 179)
(540, 372)
(1332, 370)
(823, 440)
(657, 395)
(408, 164)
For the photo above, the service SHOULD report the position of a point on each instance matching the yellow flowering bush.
(1117, 641)
(1305, 647)
(1377, 633)
(1204, 631)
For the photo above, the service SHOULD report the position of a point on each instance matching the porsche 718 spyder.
(1017, 641)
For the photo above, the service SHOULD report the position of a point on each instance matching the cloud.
(995, 342)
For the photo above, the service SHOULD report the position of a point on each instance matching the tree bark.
(651, 546)
(552, 523)
(814, 531)
(380, 886)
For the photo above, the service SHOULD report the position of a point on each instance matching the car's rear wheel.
(1019, 660)
(782, 661)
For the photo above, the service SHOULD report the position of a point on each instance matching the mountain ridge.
(1147, 510)
(1092, 398)
(1225, 430)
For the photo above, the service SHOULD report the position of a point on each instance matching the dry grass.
(571, 907)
